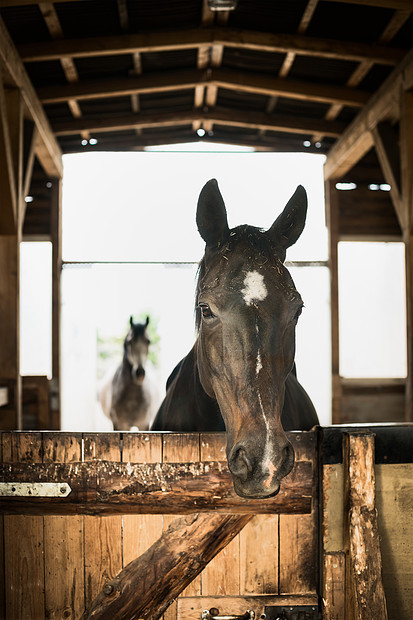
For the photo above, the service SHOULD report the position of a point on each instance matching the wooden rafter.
(254, 120)
(180, 80)
(357, 139)
(194, 39)
(387, 4)
(47, 149)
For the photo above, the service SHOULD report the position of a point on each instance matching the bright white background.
(141, 207)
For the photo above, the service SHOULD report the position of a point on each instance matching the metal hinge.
(292, 612)
(34, 489)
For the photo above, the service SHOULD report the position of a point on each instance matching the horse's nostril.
(287, 461)
(140, 372)
(239, 463)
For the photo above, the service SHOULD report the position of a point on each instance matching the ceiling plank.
(180, 80)
(193, 39)
(253, 120)
(357, 138)
(47, 148)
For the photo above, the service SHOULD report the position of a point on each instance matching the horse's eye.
(206, 311)
(298, 313)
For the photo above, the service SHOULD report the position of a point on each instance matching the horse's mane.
(248, 239)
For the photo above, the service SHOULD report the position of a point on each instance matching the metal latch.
(34, 489)
(213, 614)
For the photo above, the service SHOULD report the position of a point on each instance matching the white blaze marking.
(259, 364)
(255, 289)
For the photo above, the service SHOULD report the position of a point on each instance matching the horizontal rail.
(106, 487)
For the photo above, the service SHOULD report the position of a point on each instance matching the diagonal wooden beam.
(8, 186)
(357, 139)
(193, 39)
(388, 153)
(47, 148)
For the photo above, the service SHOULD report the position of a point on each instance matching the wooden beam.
(47, 149)
(169, 81)
(387, 148)
(170, 488)
(383, 4)
(221, 116)
(149, 584)
(56, 238)
(367, 600)
(194, 39)
(357, 139)
(388, 4)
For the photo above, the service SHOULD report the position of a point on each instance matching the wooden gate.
(58, 554)
(55, 565)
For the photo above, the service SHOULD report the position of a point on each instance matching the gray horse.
(130, 395)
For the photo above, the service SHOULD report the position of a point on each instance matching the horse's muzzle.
(138, 374)
(254, 473)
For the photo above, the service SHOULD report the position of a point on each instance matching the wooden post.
(406, 149)
(146, 587)
(365, 593)
(11, 132)
(56, 237)
(332, 213)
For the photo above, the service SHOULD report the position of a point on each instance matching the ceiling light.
(222, 5)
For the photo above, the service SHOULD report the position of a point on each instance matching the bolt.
(62, 490)
(108, 589)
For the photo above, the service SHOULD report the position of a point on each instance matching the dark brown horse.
(240, 374)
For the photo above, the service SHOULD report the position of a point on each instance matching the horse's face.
(248, 309)
(136, 347)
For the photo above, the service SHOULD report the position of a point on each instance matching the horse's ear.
(290, 223)
(131, 321)
(147, 321)
(211, 215)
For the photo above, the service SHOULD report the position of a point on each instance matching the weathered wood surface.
(106, 487)
(367, 600)
(147, 586)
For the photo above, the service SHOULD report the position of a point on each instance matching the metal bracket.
(34, 489)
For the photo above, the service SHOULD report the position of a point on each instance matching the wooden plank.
(334, 586)
(259, 556)
(108, 487)
(147, 586)
(103, 535)
(193, 39)
(23, 542)
(298, 534)
(222, 575)
(63, 541)
(187, 448)
(364, 574)
(140, 531)
(56, 239)
(394, 493)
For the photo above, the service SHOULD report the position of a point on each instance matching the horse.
(240, 374)
(130, 396)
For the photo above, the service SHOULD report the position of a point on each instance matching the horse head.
(247, 310)
(136, 347)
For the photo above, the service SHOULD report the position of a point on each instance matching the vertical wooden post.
(406, 148)
(56, 237)
(332, 213)
(11, 199)
(365, 593)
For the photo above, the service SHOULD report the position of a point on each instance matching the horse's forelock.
(252, 239)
